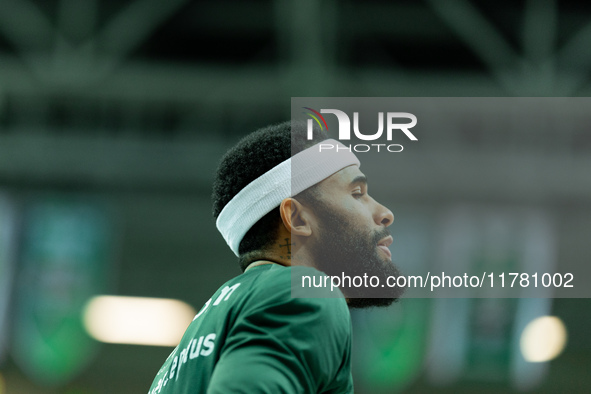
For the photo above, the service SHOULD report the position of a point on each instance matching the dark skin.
(345, 190)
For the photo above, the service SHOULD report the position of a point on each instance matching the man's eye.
(358, 194)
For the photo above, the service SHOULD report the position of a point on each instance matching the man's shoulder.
(284, 274)
(283, 280)
(278, 285)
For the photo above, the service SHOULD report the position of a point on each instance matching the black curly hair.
(250, 158)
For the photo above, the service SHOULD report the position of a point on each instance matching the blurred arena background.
(114, 115)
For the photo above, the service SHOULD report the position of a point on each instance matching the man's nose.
(384, 216)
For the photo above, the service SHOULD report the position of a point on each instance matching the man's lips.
(384, 243)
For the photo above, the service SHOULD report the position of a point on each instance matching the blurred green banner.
(7, 254)
(65, 260)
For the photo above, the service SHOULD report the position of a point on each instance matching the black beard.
(341, 249)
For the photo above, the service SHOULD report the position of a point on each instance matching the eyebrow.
(359, 179)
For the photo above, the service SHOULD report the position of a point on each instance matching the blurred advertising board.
(8, 218)
(478, 339)
(65, 259)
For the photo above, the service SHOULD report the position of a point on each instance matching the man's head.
(349, 236)
(251, 157)
(334, 224)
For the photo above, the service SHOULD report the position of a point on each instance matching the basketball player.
(286, 210)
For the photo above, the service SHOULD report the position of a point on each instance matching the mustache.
(381, 234)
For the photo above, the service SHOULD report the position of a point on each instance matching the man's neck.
(285, 251)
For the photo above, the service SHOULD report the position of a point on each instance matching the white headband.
(287, 179)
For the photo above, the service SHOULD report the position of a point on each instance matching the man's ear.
(295, 217)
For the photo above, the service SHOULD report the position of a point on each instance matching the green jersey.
(252, 336)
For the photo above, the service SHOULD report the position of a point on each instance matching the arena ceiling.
(133, 74)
